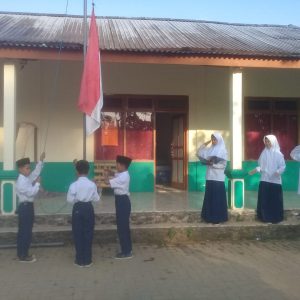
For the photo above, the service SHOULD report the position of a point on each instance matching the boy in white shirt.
(82, 193)
(27, 187)
(120, 184)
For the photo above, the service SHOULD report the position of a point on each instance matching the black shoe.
(28, 259)
(124, 256)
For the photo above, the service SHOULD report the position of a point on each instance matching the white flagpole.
(84, 55)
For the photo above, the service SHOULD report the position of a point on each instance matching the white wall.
(207, 88)
(61, 124)
(272, 83)
(50, 104)
(39, 101)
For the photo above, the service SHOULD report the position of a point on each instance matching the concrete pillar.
(236, 175)
(8, 175)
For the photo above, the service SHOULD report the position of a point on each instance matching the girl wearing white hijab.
(295, 155)
(271, 165)
(214, 209)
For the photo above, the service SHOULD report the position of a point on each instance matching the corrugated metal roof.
(164, 36)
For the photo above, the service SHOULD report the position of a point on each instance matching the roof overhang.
(143, 58)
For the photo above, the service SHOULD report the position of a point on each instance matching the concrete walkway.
(214, 270)
(162, 200)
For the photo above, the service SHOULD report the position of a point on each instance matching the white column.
(7, 187)
(236, 184)
(236, 119)
(9, 117)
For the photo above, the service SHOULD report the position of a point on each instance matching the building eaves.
(152, 36)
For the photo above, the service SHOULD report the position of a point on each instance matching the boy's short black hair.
(82, 167)
(124, 160)
(23, 162)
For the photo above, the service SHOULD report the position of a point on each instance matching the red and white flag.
(91, 94)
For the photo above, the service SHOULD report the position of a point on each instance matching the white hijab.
(295, 154)
(268, 160)
(218, 150)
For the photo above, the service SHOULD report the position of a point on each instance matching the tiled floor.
(161, 200)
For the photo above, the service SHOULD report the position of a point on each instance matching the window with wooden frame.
(278, 116)
(128, 123)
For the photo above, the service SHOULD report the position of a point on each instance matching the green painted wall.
(57, 176)
(142, 177)
(196, 177)
(289, 179)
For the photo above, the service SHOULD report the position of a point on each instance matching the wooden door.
(178, 152)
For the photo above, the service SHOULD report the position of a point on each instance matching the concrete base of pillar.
(8, 192)
(236, 188)
(8, 197)
(236, 195)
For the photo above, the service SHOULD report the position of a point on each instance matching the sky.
(236, 11)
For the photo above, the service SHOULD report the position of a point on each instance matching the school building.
(168, 84)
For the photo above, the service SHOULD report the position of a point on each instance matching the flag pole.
(84, 55)
(90, 99)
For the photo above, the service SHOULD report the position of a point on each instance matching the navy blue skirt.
(214, 209)
(270, 202)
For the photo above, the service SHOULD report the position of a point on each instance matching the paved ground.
(256, 270)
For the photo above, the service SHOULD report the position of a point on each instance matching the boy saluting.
(27, 187)
(120, 185)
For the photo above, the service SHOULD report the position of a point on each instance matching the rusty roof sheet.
(145, 35)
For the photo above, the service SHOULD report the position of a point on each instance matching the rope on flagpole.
(53, 95)
(84, 55)
(55, 82)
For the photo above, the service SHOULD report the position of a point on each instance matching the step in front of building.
(144, 218)
(137, 218)
(161, 234)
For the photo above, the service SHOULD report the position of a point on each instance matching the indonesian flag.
(91, 95)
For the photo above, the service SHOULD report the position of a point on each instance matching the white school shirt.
(274, 177)
(25, 189)
(271, 162)
(83, 190)
(120, 183)
(215, 171)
